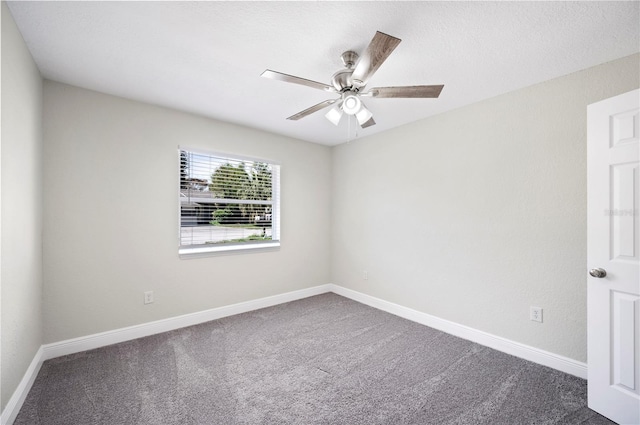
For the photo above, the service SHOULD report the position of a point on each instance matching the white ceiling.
(207, 57)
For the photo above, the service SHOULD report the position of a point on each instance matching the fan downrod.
(341, 80)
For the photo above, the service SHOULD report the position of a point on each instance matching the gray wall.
(111, 174)
(476, 214)
(21, 199)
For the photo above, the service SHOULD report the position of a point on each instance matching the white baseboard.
(89, 342)
(14, 404)
(536, 355)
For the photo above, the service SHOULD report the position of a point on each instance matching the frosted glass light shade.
(334, 115)
(351, 105)
(363, 115)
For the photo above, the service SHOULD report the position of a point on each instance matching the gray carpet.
(321, 360)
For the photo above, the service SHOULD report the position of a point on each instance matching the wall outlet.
(365, 275)
(535, 314)
(148, 297)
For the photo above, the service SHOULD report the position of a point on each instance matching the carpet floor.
(321, 360)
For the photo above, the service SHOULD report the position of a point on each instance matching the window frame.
(204, 250)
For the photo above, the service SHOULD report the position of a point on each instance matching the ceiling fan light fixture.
(349, 83)
(334, 115)
(351, 104)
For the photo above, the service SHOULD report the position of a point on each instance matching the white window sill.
(208, 251)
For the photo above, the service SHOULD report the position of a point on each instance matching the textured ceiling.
(207, 57)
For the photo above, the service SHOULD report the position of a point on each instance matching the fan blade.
(376, 53)
(368, 123)
(406, 91)
(313, 109)
(275, 75)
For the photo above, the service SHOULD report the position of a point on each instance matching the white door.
(613, 257)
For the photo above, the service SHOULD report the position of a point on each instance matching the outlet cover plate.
(148, 297)
(535, 314)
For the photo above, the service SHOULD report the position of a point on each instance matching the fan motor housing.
(341, 80)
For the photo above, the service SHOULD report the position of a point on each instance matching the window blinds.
(226, 201)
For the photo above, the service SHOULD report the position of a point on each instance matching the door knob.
(599, 273)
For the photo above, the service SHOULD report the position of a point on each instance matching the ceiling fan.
(350, 83)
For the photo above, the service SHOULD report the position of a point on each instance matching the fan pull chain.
(355, 130)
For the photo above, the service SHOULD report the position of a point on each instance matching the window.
(227, 203)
